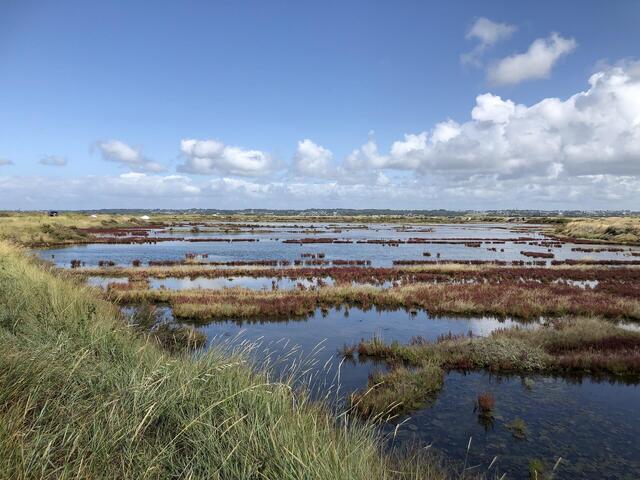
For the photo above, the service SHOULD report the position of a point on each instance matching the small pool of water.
(327, 333)
(257, 283)
(103, 282)
(592, 425)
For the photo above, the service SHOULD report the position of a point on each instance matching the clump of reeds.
(398, 391)
(347, 351)
(485, 404)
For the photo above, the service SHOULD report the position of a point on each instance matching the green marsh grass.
(571, 346)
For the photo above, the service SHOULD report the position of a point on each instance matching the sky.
(300, 104)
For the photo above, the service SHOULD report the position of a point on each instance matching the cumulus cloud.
(4, 161)
(53, 161)
(124, 154)
(537, 62)
(312, 160)
(487, 33)
(207, 157)
(594, 132)
(367, 156)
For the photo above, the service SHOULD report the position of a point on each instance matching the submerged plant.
(538, 469)
(518, 427)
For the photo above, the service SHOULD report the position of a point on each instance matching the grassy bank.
(39, 229)
(614, 230)
(81, 396)
(576, 346)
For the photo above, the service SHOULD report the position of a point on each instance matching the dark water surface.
(593, 425)
(325, 334)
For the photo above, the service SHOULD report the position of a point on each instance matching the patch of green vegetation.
(569, 345)
(60, 233)
(518, 427)
(398, 391)
(538, 470)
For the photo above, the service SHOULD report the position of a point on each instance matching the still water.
(271, 246)
(592, 425)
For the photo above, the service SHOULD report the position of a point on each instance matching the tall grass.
(614, 229)
(82, 397)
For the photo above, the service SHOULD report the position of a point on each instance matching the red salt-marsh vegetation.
(522, 299)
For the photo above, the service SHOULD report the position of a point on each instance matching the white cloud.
(312, 160)
(236, 186)
(4, 161)
(491, 108)
(208, 157)
(132, 157)
(595, 132)
(407, 153)
(53, 161)
(366, 155)
(487, 33)
(535, 63)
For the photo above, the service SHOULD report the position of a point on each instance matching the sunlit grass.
(615, 229)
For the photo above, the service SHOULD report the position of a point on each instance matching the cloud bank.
(594, 132)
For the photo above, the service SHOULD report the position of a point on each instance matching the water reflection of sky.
(270, 246)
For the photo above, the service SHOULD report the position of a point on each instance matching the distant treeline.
(366, 212)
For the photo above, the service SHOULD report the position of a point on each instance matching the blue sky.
(103, 93)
